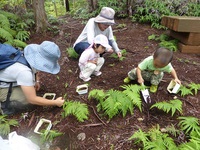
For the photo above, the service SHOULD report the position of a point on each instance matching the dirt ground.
(102, 134)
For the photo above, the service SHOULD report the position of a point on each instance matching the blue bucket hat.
(43, 57)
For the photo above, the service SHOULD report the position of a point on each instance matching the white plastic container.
(173, 87)
(50, 95)
(41, 124)
(82, 89)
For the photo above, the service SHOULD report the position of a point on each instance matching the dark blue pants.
(80, 47)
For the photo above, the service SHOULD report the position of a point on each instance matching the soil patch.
(114, 133)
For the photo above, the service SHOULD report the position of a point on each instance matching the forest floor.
(100, 132)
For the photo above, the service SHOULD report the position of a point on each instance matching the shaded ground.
(101, 133)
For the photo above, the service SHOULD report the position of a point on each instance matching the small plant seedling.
(71, 53)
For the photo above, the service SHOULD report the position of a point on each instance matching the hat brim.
(37, 61)
(103, 20)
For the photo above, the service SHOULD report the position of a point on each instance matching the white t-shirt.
(18, 73)
(91, 30)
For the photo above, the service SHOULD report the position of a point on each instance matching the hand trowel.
(145, 94)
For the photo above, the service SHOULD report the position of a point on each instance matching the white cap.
(103, 40)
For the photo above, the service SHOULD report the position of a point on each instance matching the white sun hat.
(106, 16)
(43, 57)
(103, 40)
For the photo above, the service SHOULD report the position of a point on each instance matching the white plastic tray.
(39, 125)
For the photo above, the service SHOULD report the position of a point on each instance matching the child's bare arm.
(173, 73)
(139, 76)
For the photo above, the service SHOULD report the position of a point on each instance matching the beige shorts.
(16, 95)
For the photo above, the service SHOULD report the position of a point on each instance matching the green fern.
(140, 136)
(23, 35)
(172, 130)
(79, 110)
(98, 95)
(116, 102)
(154, 139)
(133, 93)
(194, 87)
(172, 105)
(50, 135)
(5, 124)
(185, 91)
(189, 124)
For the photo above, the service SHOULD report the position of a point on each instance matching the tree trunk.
(67, 5)
(40, 16)
(92, 5)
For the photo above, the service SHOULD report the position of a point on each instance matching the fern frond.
(185, 91)
(98, 95)
(4, 22)
(79, 110)
(194, 87)
(172, 105)
(133, 92)
(140, 136)
(189, 124)
(9, 15)
(5, 35)
(50, 135)
(110, 104)
(22, 35)
(19, 44)
(5, 124)
(172, 130)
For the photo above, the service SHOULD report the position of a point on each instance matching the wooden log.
(188, 48)
(182, 23)
(188, 38)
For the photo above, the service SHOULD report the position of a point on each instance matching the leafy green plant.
(154, 139)
(12, 30)
(49, 135)
(71, 53)
(79, 110)
(185, 91)
(5, 124)
(123, 52)
(189, 124)
(172, 105)
(195, 87)
(171, 44)
(113, 102)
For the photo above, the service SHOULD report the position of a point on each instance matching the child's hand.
(178, 81)
(94, 61)
(141, 81)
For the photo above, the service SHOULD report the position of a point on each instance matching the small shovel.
(145, 94)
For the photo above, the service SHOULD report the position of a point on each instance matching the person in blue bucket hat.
(40, 57)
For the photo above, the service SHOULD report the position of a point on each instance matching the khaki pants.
(16, 95)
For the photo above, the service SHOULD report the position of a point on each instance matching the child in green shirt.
(152, 69)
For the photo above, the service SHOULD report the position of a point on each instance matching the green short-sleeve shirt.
(147, 64)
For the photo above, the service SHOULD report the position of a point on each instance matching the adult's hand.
(119, 54)
(59, 101)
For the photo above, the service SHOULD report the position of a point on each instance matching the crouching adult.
(25, 79)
